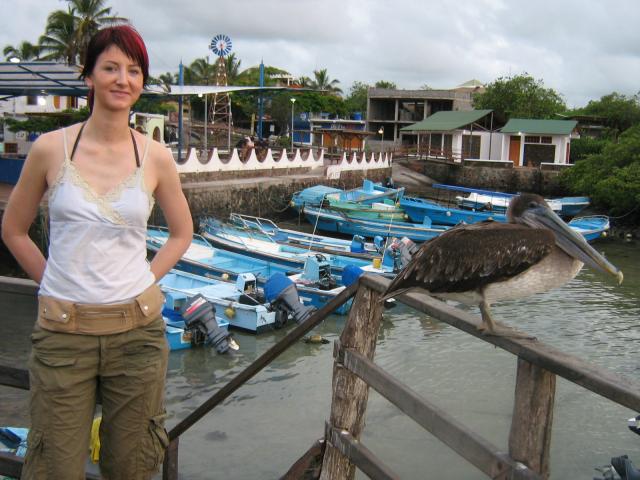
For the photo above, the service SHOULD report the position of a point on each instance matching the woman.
(99, 332)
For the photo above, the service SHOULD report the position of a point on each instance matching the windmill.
(220, 112)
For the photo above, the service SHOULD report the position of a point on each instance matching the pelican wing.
(471, 256)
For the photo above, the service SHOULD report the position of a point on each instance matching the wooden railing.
(340, 452)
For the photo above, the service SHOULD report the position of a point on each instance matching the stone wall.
(544, 182)
(261, 197)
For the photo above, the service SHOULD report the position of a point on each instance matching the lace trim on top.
(103, 202)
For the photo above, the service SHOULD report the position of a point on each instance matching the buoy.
(225, 276)
(317, 339)
(230, 312)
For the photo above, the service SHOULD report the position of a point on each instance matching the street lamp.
(293, 102)
(14, 59)
(381, 132)
(206, 147)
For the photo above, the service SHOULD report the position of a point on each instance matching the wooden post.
(530, 436)
(350, 394)
(170, 464)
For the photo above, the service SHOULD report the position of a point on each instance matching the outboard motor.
(200, 318)
(318, 270)
(283, 296)
(399, 253)
(357, 244)
(622, 465)
(379, 242)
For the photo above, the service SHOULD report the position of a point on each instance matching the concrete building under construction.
(388, 110)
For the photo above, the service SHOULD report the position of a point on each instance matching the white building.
(470, 136)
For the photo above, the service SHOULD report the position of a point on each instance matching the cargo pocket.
(52, 372)
(35, 465)
(157, 442)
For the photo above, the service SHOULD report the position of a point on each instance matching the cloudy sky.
(582, 48)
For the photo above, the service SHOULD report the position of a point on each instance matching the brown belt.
(96, 319)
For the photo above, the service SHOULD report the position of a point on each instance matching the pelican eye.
(533, 204)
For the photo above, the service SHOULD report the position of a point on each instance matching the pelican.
(487, 262)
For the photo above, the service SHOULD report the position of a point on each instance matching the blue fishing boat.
(497, 202)
(418, 209)
(261, 246)
(236, 305)
(591, 227)
(369, 193)
(356, 247)
(331, 221)
(571, 206)
(203, 259)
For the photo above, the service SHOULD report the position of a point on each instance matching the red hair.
(127, 39)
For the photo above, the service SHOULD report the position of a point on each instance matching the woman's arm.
(168, 193)
(22, 208)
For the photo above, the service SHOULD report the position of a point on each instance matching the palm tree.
(24, 51)
(233, 68)
(67, 33)
(59, 38)
(304, 82)
(323, 82)
(200, 72)
(165, 80)
(90, 15)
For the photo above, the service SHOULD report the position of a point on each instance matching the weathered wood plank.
(170, 464)
(476, 450)
(350, 394)
(14, 377)
(360, 455)
(599, 380)
(530, 436)
(307, 467)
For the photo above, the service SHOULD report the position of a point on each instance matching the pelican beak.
(569, 240)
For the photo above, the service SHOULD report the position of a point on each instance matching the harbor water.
(261, 430)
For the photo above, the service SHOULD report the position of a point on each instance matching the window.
(545, 139)
(531, 139)
(32, 100)
(471, 146)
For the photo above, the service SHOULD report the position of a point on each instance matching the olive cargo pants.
(67, 373)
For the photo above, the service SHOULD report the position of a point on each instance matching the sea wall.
(259, 196)
(505, 178)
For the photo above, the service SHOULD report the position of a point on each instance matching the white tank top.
(97, 247)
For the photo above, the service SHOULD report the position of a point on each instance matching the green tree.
(24, 51)
(200, 72)
(59, 39)
(322, 81)
(90, 16)
(520, 96)
(618, 111)
(386, 84)
(610, 178)
(356, 101)
(232, 64)
(67, 33)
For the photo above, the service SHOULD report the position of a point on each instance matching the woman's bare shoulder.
(159, 154)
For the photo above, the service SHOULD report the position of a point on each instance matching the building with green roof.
(532, 142)
(469, 136)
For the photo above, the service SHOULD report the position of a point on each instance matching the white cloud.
(583, 49)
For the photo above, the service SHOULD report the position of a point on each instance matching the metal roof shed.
(539, 127)
(445, 121)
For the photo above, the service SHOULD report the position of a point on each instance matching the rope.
(626, 214)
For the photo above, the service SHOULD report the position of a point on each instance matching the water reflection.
(268, 423)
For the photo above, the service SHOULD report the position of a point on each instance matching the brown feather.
(470, 257)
